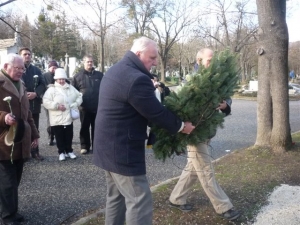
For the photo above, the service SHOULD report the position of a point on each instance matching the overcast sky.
(31, 8)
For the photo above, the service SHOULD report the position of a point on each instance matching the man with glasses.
(14, 111)
(35, 86)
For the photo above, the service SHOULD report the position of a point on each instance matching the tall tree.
(101, 12)
(6, 25)
(294, 57)
(96, 19)
(55, 36)
(173, 17)
(27, 29)
(67, 37)
(140, 13)
(11, 21)
(230, 24)
(46, 37)
(273, 128)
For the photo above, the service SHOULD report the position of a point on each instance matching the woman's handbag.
(73, 111)
(75, 114)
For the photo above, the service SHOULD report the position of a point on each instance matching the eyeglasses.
(19, 68)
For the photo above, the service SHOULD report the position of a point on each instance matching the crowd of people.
(25, 90)
(115, 111)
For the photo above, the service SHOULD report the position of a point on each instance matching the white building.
(11, 45)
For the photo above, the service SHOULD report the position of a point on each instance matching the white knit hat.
(60, 74)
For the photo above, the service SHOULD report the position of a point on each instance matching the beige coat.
(20, 108)
(66, 95)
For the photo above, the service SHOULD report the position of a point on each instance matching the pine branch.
(197, 102)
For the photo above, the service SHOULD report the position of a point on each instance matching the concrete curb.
(89, 217)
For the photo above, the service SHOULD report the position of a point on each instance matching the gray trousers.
(128, 197)
(199, 166)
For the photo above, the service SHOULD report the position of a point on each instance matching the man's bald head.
(204, 57)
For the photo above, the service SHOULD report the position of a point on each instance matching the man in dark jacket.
(48, 77)
(87, 81)
(35, 87)
(126, 104)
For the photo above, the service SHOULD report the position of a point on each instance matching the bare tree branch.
(5, 3)
(14, 28)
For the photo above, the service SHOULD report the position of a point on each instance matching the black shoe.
(18, 217)
(51, 143)
(37, 156)
(231, 214)
(12, 223)
(14, 220)
(183, 208)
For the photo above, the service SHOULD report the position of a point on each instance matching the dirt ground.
(248, 176)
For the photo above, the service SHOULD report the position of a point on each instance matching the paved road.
(52, 191)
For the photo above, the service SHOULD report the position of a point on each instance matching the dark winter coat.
(20, 109)
(126, 103)
(88, 83)
(49, 79)
(36, 85)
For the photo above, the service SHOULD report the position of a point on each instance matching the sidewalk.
(283, 207)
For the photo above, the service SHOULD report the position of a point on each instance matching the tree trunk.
(102, 55)
(273, 128)
(163, 71)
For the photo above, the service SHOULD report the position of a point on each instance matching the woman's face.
(61, 81)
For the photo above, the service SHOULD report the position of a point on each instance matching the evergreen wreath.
(197, 102)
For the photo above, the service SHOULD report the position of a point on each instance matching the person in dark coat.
(49, 79)
(126, 104)
(35, 87)
(87, 81)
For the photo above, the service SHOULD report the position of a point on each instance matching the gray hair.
(142, 43)
(10, 58)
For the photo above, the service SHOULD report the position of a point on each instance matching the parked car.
(295, 87)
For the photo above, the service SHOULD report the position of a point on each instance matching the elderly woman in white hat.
(60, 98)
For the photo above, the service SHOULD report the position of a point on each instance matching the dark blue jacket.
(36, 85)
(126, 104)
